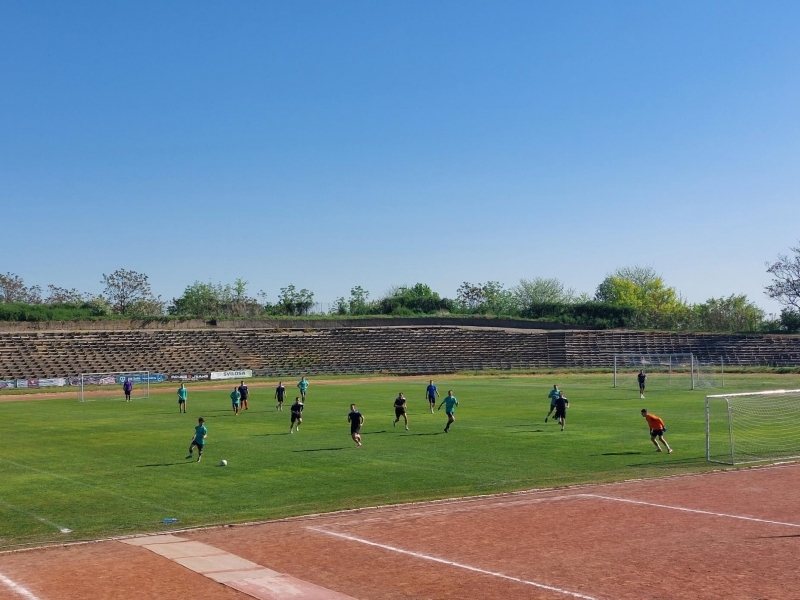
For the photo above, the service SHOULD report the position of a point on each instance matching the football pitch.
(76, 471)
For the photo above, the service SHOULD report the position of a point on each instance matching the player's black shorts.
(355, 429)
(181, 401)
(399, 411)
(449, 413)
(657, 432)
(198, 444)
(561, 414)
(296, 417)
(432, 399)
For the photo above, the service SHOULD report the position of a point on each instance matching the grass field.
(108, 468)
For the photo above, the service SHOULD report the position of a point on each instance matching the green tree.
(542, 290)
(642, 289)
(294, 302)
(129, 293)
(734, 313)
(785, 286)
(14, 290)
(359, 301)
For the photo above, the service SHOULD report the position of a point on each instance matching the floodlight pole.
(615, 370)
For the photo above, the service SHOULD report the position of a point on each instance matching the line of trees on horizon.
(635, 297)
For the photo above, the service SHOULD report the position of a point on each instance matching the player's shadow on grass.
(267, 434)
(372, 432)
(529, 431)
(620, 453)
(431, 433)
(670, 462)
(172, 464)
(318, 450)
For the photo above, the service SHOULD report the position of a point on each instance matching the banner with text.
(241, 373)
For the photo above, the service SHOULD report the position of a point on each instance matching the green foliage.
(129, 294)
(734, 313)
(588, 314)
(790, 320)
(541, 290)
(51, 312)
(418, 299)
(215, 300)
(293, 302)
(489, 298)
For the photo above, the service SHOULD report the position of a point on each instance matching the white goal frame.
(141, 383)
(693, 363)
(726, 398)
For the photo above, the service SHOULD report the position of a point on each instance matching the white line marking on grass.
(91, 486)
(15, 587)
(693, 510)
(35, 516)
(453, 564)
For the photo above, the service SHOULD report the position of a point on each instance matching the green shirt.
(235, 397)
(553, 395)
(302, 385)
(182, 393)
(199, 434)
(450, 404)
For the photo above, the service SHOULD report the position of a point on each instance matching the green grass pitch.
(110, 468)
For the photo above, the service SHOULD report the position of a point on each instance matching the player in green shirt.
(235, 397)
(303, 385)
(199, 439)
(182, 391)
(450, 404)
(553, 395)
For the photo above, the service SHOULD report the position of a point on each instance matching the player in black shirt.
(280, 392)
(561, 409)
(297, 415)
(400, 409)
(245, 393)
(642, 377)
(356, 420)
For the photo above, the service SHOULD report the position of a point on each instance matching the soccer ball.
(223, 463)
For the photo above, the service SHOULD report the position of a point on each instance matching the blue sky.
(333, 144)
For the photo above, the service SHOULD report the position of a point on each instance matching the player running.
(303, 385)
(400, 410)
(561, 409)
(280, 392)
(356, 420)
(127, 387)
(245, 394)
(235, 397)
(657, 430)
(450, 402)
(297, 415)
(642, 377)
(182, 392)
(199, 439)
(553, 395)
(431, 394)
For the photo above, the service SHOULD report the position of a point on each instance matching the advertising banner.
(189, 376)
(7, 384)
(237, 374)
(27, 383)
(141, 378)
(53, 382)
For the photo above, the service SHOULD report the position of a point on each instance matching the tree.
(785, 286)
(541, 290)
(359, 301)
(419, 298)
(13, 289)
(128, 289)
(58, 295)
(734, 313)
(642, 289)
(292, 301)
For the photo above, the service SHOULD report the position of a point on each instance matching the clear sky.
(332, 144)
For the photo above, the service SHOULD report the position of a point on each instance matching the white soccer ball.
(223, 463)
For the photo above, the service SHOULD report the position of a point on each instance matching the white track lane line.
(692, 510)
(15, 587)
(451, 563)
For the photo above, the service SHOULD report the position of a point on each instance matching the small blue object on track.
(170, 520)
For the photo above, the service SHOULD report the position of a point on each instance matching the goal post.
(106, 386)
(678, 370)
(753, 426)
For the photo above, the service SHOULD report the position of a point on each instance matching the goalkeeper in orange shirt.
(657, 430)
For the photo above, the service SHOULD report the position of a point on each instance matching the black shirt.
(355, 418)
(641, 377)
(561, 403)
(279, 392)
(244, 391)
(399, 402)
(297, 408)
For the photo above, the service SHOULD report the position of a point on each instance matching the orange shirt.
(654, 422)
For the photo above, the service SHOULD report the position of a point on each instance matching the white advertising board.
(237, 374)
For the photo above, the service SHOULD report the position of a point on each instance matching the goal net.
(753, 427)
(109, 386)
(664, 371)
